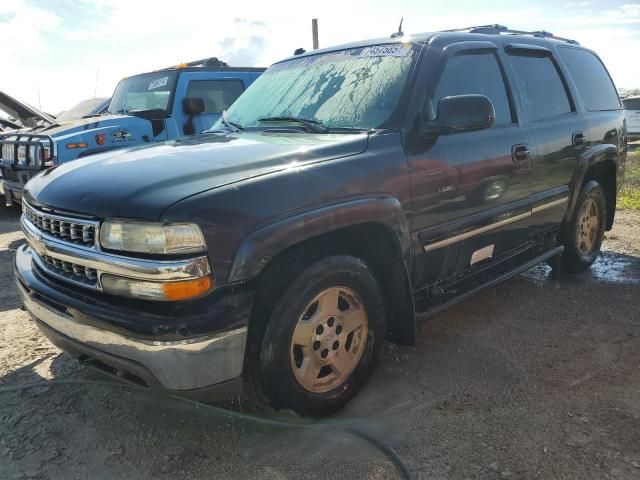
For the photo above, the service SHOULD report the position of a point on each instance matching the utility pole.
(314, 32)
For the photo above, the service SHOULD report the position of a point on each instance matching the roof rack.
(205, 63)
(497, 29)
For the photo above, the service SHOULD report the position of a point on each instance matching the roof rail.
(497, 29)
(205, 62)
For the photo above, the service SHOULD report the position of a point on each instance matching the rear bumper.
(206, 367)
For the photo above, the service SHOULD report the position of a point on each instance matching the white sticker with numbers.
(157, 83)
(396, 50)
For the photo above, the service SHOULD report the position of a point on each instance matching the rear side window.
(594, 85)
(543, 91)
(218, 95)
(631, 103)
(473, 73)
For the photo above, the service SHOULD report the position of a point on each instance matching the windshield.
(355, 88)
(150, 91)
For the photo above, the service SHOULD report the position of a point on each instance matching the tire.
(295, 361)
(585, 231)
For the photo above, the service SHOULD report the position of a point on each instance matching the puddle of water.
(616, 268)
(540, 274)
(610, 267)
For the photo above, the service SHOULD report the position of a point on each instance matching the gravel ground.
(536, 378)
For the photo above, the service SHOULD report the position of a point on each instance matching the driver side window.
(475, 73)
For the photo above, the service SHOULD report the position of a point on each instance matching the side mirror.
(193, 105)
(462, 113)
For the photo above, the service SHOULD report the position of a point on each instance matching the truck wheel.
(585, 231)
(323, 337)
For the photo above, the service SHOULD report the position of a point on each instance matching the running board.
(491, 283)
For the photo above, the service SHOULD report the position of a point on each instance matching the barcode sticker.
(395, 50)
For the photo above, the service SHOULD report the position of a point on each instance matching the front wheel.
(585, 232)
(323, 337)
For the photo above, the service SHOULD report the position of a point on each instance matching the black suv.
(345, 191)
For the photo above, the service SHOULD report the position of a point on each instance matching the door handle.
(577, 139)
(520, 153)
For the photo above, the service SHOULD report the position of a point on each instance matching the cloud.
(58, 51)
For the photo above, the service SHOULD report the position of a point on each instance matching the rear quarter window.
(595, 87)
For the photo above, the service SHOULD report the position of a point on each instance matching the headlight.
(146, 237)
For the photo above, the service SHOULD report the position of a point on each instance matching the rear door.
(557, 129)
(470, 188)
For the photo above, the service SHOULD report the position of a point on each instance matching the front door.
(470, 189)
(218, 94)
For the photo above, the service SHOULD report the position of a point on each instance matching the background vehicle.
(91, 106)
(22, 115)
(632, 115)
(345, 190)
(150, 107)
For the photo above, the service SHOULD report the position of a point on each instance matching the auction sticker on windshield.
(397, 50)
(157, 83)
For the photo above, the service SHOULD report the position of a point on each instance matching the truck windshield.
(150, 91)
(355, 88)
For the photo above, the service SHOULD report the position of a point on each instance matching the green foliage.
(629, 196)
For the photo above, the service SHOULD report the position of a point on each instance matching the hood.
(142, 182)
(91, 106)
(26, 114)
(93, 125)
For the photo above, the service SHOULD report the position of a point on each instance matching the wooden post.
(314, 32)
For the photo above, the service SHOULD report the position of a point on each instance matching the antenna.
(399, 33)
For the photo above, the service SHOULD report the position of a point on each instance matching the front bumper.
(13, 182)
(188, 367)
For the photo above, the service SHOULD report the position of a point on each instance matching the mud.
(536, 378)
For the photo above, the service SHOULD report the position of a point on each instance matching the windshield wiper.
(234, 127)
(313, 125)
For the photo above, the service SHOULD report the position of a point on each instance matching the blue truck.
(165, 104)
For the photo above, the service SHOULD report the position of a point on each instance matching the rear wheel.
(585, 231)
(322, 339)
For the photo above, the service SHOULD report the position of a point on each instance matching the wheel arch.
(599, 163)
(373, 229)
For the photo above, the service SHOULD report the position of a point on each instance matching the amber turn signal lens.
(77, 145)
(188, 289)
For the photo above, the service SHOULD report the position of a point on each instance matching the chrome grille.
(8, 152)
(76, 231)
(67, 270)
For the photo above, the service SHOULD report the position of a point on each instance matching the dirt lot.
(537, 378)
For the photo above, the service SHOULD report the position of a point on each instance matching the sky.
(56, 53)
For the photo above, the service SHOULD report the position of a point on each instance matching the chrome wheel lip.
(589, 220)
(313, 349)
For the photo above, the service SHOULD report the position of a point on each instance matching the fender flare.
(588, 158)
(263, 244)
